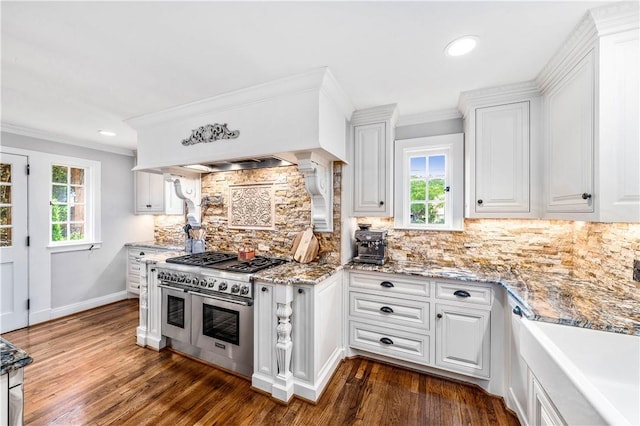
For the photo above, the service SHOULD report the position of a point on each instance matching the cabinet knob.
(300, 290)
(265, 289)
(480, 202)
(386, 341)
(439, 316)
(148, 206)
(517, 311)
(141, 253)
(381, 203)
(585, 196)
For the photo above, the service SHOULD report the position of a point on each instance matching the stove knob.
(181, 278)
(174, 277)
(160, 275)
(203, 283)
(212, 283)
(244, 290)
(193, 281)
(235, 288)
(222, 286)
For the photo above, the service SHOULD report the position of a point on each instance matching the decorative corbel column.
(283, 383)
(318, 181)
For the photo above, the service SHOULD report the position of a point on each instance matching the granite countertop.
(549, 297)
(297, 273)
(12, 357)
(155, 245)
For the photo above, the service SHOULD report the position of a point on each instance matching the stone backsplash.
(601, 252)
(292, 214)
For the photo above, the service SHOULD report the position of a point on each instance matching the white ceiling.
(71, 68)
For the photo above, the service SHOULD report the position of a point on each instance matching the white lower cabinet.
(134, 263)
(542, 410)
(444, 324)
(313, 315)
(517, 391)
(463, 340)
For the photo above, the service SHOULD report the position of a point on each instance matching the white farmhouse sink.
(592, 377)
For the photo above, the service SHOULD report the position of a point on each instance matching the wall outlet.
(636, 270)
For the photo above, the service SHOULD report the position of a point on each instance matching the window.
(74, 202)
(428, 183)
(6, 224)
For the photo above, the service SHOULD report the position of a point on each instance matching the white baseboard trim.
(39, 316)
(87, 304)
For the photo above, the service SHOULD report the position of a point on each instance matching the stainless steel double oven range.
(207, 307)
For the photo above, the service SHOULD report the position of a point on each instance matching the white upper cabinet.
(501, 151)
(154, 195)
(372, 161)
(502, 159)
(591, 125)
(569, 110)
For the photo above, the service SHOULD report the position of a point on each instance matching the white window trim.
(93, 221)
(405, 148)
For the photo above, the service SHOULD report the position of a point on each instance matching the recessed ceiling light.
(106, 133)
(461, 45)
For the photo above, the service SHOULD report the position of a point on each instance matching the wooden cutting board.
(305, 246)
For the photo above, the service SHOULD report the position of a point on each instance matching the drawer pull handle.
(386, 341)
(517, 311)
(461, 293)
(386, 284)
(386, 310)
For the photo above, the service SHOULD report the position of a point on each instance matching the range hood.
(242, 164)
(300, 120)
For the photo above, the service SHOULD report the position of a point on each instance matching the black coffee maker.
(370, 245)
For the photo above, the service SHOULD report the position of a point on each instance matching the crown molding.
(67, 140)
(316, 80)
(429, 117)
(619, 17)
(496, 95)
(376, 114)
(597, 22)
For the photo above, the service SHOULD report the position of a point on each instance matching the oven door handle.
(222, 299)
(172, 288)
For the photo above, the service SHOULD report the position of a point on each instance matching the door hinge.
(28, 304)
(28, 169)
(28, 241)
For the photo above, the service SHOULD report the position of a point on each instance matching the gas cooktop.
(226, 262)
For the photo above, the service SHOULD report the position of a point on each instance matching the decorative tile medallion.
(252, 206)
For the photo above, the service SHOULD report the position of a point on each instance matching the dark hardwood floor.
(87, 370)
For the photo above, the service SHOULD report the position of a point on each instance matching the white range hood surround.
(301, 119)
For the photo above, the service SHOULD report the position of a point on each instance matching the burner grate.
(207, 258)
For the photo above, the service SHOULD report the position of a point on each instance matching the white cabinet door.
(302, 332)
(502, 159)
(463, 340)
(371, 173)
(4, 399)
(134, 257)
(149, 193)
(543, 412)
(265, 336)
(517, 374)
(570, 136)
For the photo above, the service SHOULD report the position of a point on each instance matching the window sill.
(73, 246)
(420, 228)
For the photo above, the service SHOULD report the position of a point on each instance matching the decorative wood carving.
(284, 345)
(318, 181)
(210, 133)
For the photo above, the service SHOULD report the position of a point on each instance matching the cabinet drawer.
(408, 313)
(389, 284)
(465, 293)
(405, 346)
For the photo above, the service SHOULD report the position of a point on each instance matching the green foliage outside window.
(64, 197)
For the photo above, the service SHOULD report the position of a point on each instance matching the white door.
(14, 286)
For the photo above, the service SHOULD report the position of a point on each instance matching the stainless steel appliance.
(207, 307)
(371, 245)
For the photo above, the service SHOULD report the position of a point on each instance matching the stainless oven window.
(175, 311)
(221, 323)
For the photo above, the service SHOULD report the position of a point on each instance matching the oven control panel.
(194, 282)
